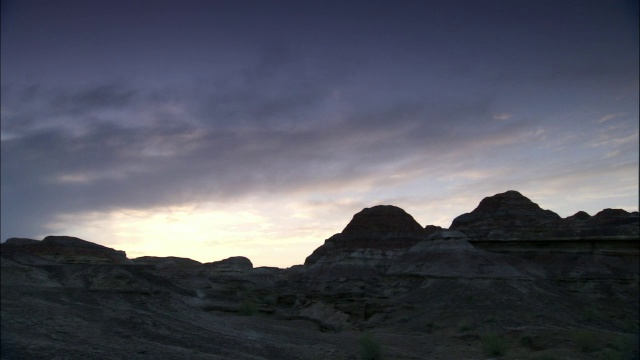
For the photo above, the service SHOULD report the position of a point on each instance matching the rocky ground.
(506, 280)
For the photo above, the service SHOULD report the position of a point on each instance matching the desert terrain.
(506, 280)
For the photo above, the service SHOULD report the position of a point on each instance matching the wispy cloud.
(613, 138)
(502, 116)
(609, 117)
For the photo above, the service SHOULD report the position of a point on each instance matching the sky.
(210, 129)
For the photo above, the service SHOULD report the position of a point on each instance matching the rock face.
(608, 222)
(63, 249)
(21, 241)
(373, 239)
(511, 216)
(503, 216)
(448, 254)
(430, 229)
(380, 228)
(382, 220)
(169, 261)
(233, 266)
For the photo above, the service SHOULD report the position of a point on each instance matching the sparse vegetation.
(611, 354)
(586, 340)
(494, 345)
(630, 325)
(431, 326)
(527, 341)
(370, 349)
(270, 300)
(590, 313)
(621, 348)
(544, 357)
(247, 308)
(623, 342)
(464, 325)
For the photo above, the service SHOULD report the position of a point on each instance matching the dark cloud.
(52, 170)
(38, 106)
(92, 99)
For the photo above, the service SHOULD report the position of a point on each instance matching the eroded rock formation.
(380, 228)
(63, 249)
(504, 261)
(512, 216)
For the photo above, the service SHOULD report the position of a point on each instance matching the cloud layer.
(302, 123)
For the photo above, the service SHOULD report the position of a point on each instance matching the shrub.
(610, 354)
(464, 325)
(431, 326)
(494, 345)
(630, 325)
(369, 348)
(270, 300)
(622, 347)
(527, 341)
(544, 357)
(586, 340)
(247, 308)
(590, 313)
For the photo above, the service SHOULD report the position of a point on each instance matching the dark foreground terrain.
(508, 279)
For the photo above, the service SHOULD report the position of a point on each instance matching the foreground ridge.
(508, 267)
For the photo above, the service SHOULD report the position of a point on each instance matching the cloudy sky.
(209, 129)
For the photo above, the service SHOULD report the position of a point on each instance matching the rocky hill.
(370, 242)
(510, 215)
(508, 278)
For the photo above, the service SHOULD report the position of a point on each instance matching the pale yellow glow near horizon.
(281, 232)
(267, 238)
